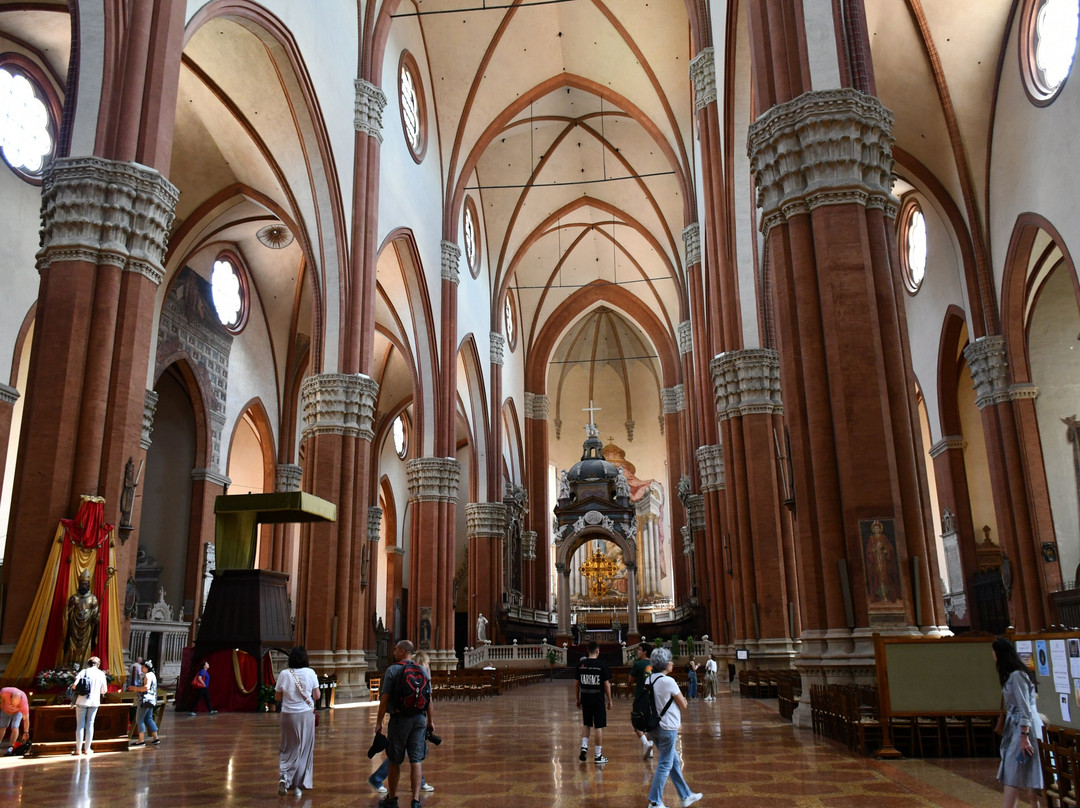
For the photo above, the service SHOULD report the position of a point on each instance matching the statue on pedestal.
(481, 628)
(81, 617)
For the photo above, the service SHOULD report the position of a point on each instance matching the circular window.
(401, 436)
(912, 236)
(472, 243)
(229, 292)
(27, 131)
(510, 321)
(411, 103)
(1047, 46)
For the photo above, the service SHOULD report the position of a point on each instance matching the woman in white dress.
(296, 754)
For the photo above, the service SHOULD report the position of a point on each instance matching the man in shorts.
(641, 669)
(594, 700)
(407, 731)
(14, 712)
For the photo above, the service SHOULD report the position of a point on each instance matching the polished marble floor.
(518, 750)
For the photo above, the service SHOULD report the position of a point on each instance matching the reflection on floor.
(519, 750)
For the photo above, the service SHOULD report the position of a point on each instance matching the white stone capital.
(989, 370)
(711, 467)
(339, 404)
(703, 76)
(536, 406)
(433, 479)
(370, 103)
(485, 519)
(746, 382)
(686, 337)
(451, 258)
(287, 477)
(149, 409)
(498, 342)
(691, 237)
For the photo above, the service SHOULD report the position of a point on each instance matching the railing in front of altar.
(162, 641)
(702, 649)
(514, 655)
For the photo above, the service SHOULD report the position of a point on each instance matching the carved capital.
(691, 237)
(451, 257)
(106, 212)
(989, 370)
(210, 476)
(528, 545)
(217, 428)
(703, 76)
(673, 399)
(746, 382)
(287, 477)
(695, 511)
(687, 541)
(826, 147)
(710, 461)
(485, 520)
(433, 479)
(149, 409)
(374, 522)
(8, 394)
(686, 338)
(370, 103)
(339, 404)
(498, 342)
(1018, 391)
(536, 406)
(947, 443)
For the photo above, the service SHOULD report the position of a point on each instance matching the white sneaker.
(647, 750)
(691, 799)
(427, 787)
(657, 805)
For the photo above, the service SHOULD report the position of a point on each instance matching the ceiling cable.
(484, 7)
(598, 282)
(572, 182)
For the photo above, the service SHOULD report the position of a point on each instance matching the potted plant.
(552, 658)
(266, 696)
(674, 646)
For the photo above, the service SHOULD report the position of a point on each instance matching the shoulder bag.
(304, 695)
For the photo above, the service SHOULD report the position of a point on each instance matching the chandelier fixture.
(275, 236)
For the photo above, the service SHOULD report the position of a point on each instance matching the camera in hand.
(432, 737)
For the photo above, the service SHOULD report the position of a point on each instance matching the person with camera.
(406, 696)
(379, 775)
(144, 716)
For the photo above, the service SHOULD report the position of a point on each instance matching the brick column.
(104, 226)
(486, 524)
(537, 595)
(433, 493)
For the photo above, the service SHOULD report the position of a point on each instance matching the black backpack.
(82, 686)
(643, 714)
(413, 689)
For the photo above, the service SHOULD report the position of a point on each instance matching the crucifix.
(590, 428)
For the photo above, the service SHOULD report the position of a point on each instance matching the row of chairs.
(1059, 754)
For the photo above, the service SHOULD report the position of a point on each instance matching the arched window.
(229, 288)
(413, 109)
(1048, 36)
(27, 119)
(401, 436)
(471, 237)
(912, 236)
(510, 322)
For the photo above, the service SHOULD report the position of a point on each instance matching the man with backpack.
(662, 723)
(406, 697)
(594, 700)
(641, 669)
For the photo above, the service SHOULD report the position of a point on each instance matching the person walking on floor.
(406, 697)
(638, 672)
(86, 706)
(710, 678)
(379, 775)
(593, 690)
(296, 752)
(670, 702)
(144, 716)
(1019, 767)
(201, 687)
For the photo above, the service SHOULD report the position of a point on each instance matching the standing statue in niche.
(481, 628)
(81, 617)
(622, 486)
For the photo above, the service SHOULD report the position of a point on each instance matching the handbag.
(198, 682)
(999, 727)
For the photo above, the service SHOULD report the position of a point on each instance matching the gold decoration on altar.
(598, 571)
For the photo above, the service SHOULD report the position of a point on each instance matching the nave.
(517, 749)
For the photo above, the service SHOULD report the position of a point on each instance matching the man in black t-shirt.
(593, 699)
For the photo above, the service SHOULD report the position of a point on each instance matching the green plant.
(552, 656)
(674, 645)
(266, 696)
(690, 645)
(658, 642)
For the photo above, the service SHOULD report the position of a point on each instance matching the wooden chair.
(957, 734)
(1060, 773)
(928, 734)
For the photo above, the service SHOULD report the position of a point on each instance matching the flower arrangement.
(62, 677)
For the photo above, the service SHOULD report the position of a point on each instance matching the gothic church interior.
(801, 270)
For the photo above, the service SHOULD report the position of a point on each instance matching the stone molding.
(687, 541)
(210, 476)
(451, 258)
(149, 409)
(498, 343)
(370, 103)
(8, 394)
(691, 237)
(825, 147)
(695, 511)
(485, 520)
(710, 461)
(339, 404)
(989, 370)
(1017, 391)
(106, 213)
(528, 545)
(686, 337)
(433, 479)
(374, 522)
(747, 382)
(217, 429)
(287, 477)
(945, 444)
(673, 399)
(703, 76)
(536, 406)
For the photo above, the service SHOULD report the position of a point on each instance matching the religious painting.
(884, 594)
(425, 627)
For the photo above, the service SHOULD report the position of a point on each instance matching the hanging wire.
(558, 231)
(603, 139)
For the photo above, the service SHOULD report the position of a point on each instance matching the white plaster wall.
(393, 468)
(821, 51)
(1054, 352)
(18, 247)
